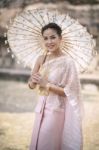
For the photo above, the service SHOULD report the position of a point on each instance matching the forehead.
(49, 32)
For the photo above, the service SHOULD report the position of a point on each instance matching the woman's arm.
(56, 89)
(43, 83)
(31, 82)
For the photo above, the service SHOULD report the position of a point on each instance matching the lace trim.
(50, 61)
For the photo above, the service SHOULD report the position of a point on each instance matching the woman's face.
(51, 40)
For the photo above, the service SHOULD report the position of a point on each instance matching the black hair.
(54, 26)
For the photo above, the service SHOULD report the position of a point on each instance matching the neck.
(56, 53)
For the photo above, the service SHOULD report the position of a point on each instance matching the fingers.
(36, 78)
(37, 73)
(34, 81)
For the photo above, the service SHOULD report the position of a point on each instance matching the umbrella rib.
(42, 18)
(18, 54)
(79, 36)
(72, 31)
(79, 50)
(30, 20)
(24, 30)
(22, 50)
(32, 58)
(63, 19)
(48, 16)
(54, 17)
(76, 55)
(19, 34)
(20, 39)
(27, 26)
(27, 53)
(35, 18)
(23, 43)
(76, 40)
(76, 45)
(35, 42)
(67, 26)
(74, 59)
(24, 59)
(69, 44)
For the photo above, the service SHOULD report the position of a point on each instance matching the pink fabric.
(58, 122)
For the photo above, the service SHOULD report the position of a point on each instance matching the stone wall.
(23, 3)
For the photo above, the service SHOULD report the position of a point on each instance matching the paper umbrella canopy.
(25, 38)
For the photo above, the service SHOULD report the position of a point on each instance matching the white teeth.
(51, 46)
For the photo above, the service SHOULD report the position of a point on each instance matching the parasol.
(25, 39)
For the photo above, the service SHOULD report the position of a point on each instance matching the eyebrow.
(50, 36)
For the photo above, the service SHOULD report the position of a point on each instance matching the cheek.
(45, 43)
(57, 42)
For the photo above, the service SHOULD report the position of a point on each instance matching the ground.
(17, 103)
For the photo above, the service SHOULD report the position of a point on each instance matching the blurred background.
(17, 101)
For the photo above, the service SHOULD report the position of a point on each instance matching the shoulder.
(71, 64)
(40, 57)
(69, 61)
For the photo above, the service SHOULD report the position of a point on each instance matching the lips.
(50, 46)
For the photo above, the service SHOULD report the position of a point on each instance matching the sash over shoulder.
(72, 132)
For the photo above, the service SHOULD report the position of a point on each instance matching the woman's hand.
(32, 82)
(38, 79)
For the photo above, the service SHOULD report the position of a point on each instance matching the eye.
(53, 37)
(45, 38)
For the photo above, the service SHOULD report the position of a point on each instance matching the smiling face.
(51, 40)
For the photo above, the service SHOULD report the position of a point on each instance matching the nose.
(49, 41)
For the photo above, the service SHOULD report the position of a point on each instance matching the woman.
(57, 123)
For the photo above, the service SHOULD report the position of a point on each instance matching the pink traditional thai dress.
(58, 120)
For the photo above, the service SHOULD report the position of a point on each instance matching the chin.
(51, 50)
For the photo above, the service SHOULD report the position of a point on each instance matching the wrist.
(48, 85)
(31, 85)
